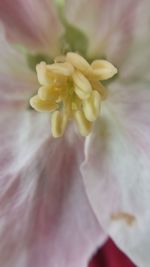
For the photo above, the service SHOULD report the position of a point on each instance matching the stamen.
(60, 59)
(78, 62)
(65, 69)
(42, 105)
(83, 124)
(44, 76)
(58, 123)
(81, 93)
(102, 70)
(48, 93)
(71, 89)
(82, 82)
(91, 106)
(97, 86)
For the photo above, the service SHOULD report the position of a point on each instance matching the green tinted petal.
(34, 59)
(73, 39)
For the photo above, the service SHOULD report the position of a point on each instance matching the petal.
(45, 217)
(17, 81)
(117, 170)
(137, 62)
(31, 23)
(108, 24)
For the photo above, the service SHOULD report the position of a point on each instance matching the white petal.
(108, 24)
(137, 62)
(45, 217)
(117, 170)
(17, 81)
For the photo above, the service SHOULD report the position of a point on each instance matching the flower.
(63, 197)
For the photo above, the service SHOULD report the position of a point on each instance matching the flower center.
(71, 89)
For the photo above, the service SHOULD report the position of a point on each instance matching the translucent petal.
(42, 198)
(17, 81)
(108, 24)
(117, 170)
(31, 23)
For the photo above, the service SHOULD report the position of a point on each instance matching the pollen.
(71, 89)
(124, 216)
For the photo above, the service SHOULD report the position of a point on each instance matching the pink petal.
(31, 23)
(17, 82)
(137, 63)
(108, 24)
(117, 170)
(45, 216)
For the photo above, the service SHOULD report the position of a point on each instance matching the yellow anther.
(83, 124)
(58, 123)
(78, 62)
(48, 93)
(80, 93)
(60, 59)
(60, 81)
(76, 104)
(71, 89)
(42, 105)
(82, 83)
(97, 86)
(91, 106)
(43, 74)
(102, 70)
(65, 69)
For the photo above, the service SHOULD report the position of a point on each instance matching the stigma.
(71, 89)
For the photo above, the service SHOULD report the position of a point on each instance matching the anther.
(83, 124)
(78, 62)
(81, 83)
(48, 93)
(58, 123)
(43, 74)
(60, 59)
(65, 69)
(91, 106)
(98, 86)
(42, 105)
(102, 70)
(80, 93)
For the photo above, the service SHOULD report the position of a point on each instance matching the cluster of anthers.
(71, 89)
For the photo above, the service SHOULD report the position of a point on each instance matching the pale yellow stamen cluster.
(71, 89)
